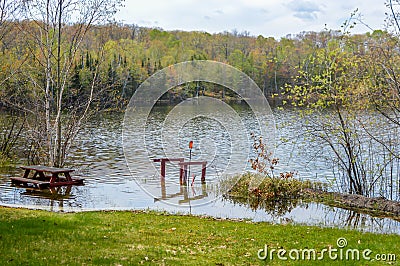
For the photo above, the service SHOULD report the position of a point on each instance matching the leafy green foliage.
(331, 89)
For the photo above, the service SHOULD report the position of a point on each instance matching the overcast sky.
(275, 18)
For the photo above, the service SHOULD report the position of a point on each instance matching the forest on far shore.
(121, 57)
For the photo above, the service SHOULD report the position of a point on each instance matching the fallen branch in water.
(378, 206)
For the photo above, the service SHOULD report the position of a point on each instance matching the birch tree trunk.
(57, 54)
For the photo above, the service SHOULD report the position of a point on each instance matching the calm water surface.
(98, 157)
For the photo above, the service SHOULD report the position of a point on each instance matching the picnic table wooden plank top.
(193, 163)
(42, 168)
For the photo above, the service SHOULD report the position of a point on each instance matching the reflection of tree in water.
(361, 221)
(53, 193)
(333, 216)
(276, 195)
(53, 199)
(274, 207)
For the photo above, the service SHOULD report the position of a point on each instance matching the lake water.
(99, 158)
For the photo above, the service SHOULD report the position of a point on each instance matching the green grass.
(32, 237)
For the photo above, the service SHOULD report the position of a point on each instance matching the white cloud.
(303, 6)
(269, 18)
(304, 9)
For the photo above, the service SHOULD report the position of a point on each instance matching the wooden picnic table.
(183, 172)
(44, 176)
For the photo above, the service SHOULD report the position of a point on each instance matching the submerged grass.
(279, 195)
(250, 185)
(275, 195)
(32, 237)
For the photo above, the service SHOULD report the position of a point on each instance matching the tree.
(384, 91)
(385, 73)
(54, 45)
(7, 9)
(7, 13)
(330, 88)
(12, 124)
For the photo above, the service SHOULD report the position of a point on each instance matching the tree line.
(125, 55)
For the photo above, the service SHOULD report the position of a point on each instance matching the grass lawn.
(32, 237)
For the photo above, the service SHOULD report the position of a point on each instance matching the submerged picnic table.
(45, 177)
(183, 175)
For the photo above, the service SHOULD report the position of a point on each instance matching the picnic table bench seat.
(27, 181)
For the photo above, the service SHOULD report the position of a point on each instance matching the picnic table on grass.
(45, 177)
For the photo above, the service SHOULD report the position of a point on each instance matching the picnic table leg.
(26, 174)
(181, 175)
(68, 176)
(186, 175)
(162, 168)
(41, 175)
(54, 178)
(203, 173)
